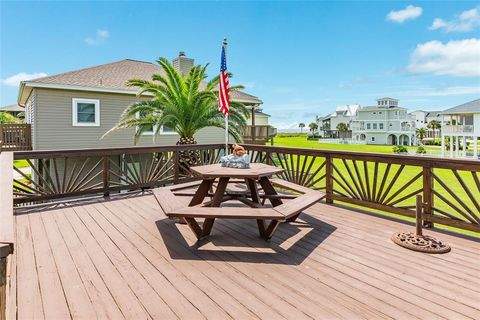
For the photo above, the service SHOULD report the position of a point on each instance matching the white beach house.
(462, 128)
(385, 124)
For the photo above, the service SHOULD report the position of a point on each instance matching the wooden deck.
(123, 259)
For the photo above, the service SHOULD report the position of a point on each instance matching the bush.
(432, 142)
(313, 136)
(400, 149)
(7, 118)
(290, 134)
(421, 150)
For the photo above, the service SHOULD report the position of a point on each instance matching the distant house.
(462, 127)
(13, 109)
(74, 109)
(386, 123)
(423, 118)
(343, 114)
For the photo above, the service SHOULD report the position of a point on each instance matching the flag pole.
(226, 114)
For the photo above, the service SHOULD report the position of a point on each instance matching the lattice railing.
(49, 175)
(450, 187)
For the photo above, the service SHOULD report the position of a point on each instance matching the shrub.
(400, 149)
(7, 118)
(421, 150)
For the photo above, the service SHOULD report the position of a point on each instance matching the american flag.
(223, 98)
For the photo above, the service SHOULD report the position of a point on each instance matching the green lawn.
(21, 163)
(302, 142)
(406, 175)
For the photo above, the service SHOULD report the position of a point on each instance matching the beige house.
(74, 109)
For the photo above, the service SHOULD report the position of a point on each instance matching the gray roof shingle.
(469, 107)
(115, 76)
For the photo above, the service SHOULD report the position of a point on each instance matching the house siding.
(54, 130)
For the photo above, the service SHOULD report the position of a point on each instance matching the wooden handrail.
(373, 180)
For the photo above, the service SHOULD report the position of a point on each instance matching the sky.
(302, 59)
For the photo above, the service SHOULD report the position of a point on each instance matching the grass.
(302, 142)
(406, 175)
(21, 163)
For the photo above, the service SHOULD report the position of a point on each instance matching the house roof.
(469, 107)
(260, 113)
(110, 77)
(12, 108)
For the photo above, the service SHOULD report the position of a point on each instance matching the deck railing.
(382, 182)
(261, 132)
(15, 137)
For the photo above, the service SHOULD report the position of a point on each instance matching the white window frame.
(150, 133)
(167, 133)
(145, 133)
(75, 122)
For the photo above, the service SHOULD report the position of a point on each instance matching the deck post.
(329, 178)
(106, 176)
(3, 288)
(418, 215)
(428, 195)
(176, 167)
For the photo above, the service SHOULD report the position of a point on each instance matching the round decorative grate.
(414, 242)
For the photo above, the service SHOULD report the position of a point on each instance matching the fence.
(388, 183)
(15, 137)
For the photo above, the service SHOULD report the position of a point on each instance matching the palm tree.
(434, 125)
(421, 132)
(342, 127)
(301, 125)
(313, 127)
(184, 103)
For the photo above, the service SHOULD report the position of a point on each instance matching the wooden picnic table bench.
(255, 178)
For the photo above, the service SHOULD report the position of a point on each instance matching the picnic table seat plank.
(228, 213)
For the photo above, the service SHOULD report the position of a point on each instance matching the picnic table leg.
(267, 232)
(201, 192)
(215, 202)
(270, 190)
(252, 187)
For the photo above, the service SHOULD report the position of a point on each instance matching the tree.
(184, 103)
(434, 125)
(301, 125)
(342, 127)
(421, 132)
(7, 118)
(313, 127)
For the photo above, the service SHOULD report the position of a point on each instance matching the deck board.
(124, 259)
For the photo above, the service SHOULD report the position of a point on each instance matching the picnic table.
(223, 184)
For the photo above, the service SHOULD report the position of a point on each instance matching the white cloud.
(409, 13)
(442, 91)
(14, 80)
(465, 21)
(460, 58)
(99, 38)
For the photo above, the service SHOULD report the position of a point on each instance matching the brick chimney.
(182, 63)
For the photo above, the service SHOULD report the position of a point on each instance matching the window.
(373, 139)
(167, 130)
(375, 126)
(85, 112)
(368, 125)
(381, 126)
(150, 129)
